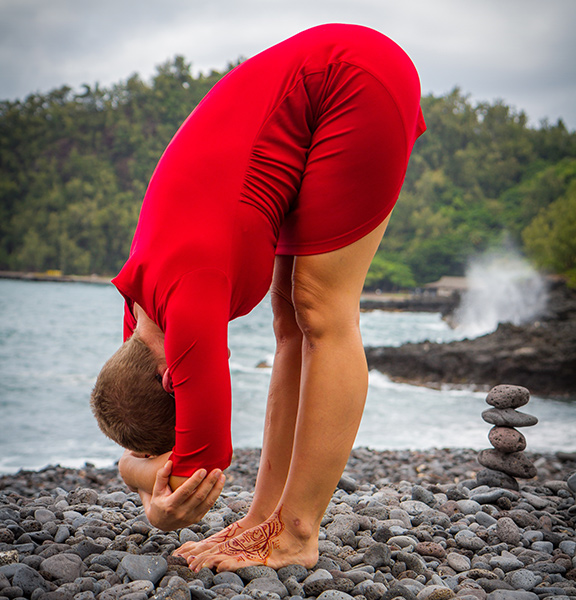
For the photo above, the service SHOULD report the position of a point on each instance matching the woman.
(283, 178)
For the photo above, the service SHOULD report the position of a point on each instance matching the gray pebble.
(270, 585)
(334, 595)
(469, 540)
(511, 595)
(27, 579)
(254, 572)
(458, 562)
(508, 396)
(297, 571)
(508, 417)
(571, 482)
(522, 579)
(228, 578)
(151, 568)
(546, 547)
(507, 531)
(378, 555)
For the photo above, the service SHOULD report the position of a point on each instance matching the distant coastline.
(55, 277)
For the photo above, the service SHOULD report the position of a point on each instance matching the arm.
(165, 508)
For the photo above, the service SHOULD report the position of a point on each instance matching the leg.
(333, 388)
(281, 411)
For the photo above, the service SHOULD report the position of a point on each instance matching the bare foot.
(270, 543)
(189, 550)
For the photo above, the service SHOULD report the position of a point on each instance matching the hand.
(170, 510)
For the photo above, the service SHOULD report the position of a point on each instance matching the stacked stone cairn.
(506, 460)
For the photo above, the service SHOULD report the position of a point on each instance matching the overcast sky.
(520, 51)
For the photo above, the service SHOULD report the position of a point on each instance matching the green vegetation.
(74, 168)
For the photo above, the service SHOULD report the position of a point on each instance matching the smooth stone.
(28, 579)
(151, 568)
(270, 585)
(228, 577)
(508, 417)
(546, 547)
(348, 484)
(297, 571)
(458, 562)
(496, 479)
(65, 567)
(508, 396)
(468, 507)
(537, 502)
(516, 464)
(568, 547)
(506, 439)
(507, 531)
(43, 515)
(507, 562)
(334, 595)
(511, 595)
(62, 534)
(522, 579)
(484, 519)
(493, 495)
(571, 482)
(469, 540)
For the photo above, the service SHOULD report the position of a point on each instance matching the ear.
(167, 381)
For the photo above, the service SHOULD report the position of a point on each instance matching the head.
(130, 404)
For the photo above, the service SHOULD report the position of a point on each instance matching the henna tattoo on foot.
(256, 544)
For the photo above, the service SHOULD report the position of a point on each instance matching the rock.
(458, 562)
(515, 464)
(571, 482)
(511, 595)
(523, 579)
(28, 579)
(266, 584)
(9, 557)
(378, 555)
(347, 484)
(436, 592)
(334, 595)
(508, 417)
(506, 439)
(63, 567)
(249, 573)
(508, 396)
(297, 571)
(469, 541)
(496, 479)
(507, 531)
(151, 568)
(431, 549)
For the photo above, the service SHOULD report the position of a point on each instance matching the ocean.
(54, 337)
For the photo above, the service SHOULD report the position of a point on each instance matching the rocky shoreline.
(540, 356)
(402, 524)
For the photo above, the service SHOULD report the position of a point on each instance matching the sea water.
(54, 337)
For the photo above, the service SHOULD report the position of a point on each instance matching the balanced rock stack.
(506, 460)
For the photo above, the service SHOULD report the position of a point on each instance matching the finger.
(162, 479)
(189, 487)
(216, 490)
(216, 480)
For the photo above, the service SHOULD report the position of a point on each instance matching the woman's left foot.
(270, 543)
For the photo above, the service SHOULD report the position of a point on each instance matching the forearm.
(139, 474)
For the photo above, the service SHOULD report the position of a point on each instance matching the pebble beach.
(401, 524)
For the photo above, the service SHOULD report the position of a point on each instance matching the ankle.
(298, 526)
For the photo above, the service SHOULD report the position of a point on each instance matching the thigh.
(333, 281)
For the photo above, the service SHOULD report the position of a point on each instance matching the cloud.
(520, 50)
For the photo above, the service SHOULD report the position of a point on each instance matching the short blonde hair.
(130, 404)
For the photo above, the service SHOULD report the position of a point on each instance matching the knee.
(320, 313)
(286, 328)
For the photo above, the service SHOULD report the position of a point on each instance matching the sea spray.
(502, 287)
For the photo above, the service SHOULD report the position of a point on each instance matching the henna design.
(257, 543)
(226, 534)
